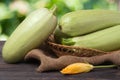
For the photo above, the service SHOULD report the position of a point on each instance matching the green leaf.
(0, 29)
(9, 25)
(3, 37)
(4, 12)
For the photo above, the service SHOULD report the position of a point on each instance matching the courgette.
(30, 34)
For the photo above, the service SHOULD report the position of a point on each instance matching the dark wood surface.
(26, 71)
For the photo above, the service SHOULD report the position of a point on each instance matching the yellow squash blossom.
(77, 68)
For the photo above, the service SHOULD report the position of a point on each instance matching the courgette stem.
(68, 41)
(53, 9)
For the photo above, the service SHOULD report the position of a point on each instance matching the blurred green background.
(12, 12)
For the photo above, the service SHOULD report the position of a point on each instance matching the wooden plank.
(26, 71)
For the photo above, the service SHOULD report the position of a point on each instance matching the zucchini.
(82, 22)
(30, 34)
(106, 40)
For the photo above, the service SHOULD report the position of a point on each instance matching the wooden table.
(26, 71)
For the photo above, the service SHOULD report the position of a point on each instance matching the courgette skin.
(58, 35)
(30, 34)
(82, 22)
(106, 40)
